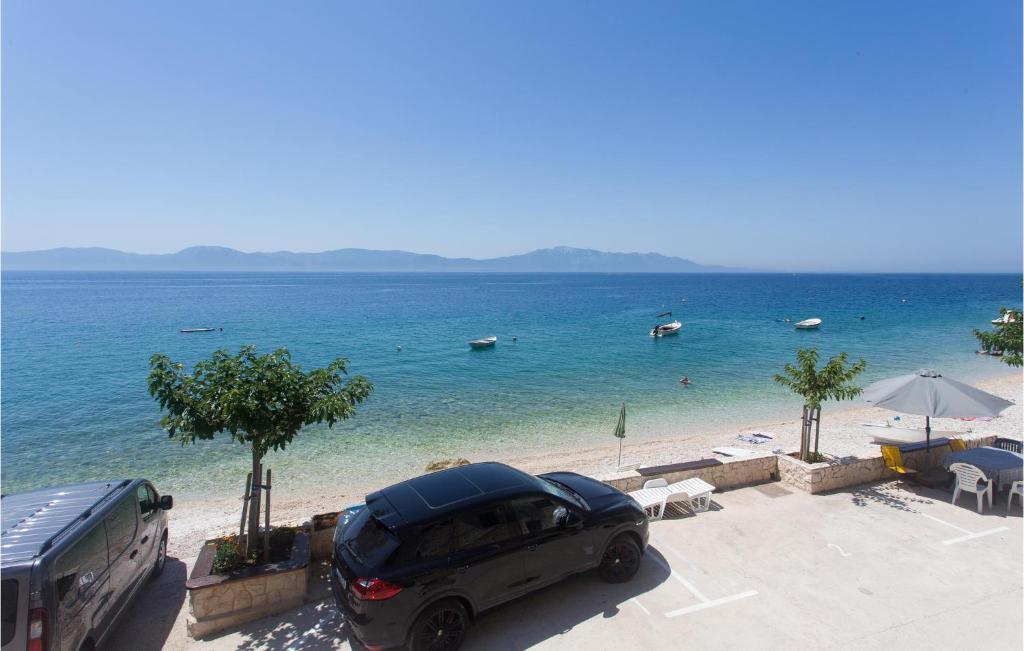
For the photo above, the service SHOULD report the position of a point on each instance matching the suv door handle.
(134, 553)
(531, 548)
(144, 540)
(462, 570)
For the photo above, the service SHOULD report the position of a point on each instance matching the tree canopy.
(1007, 336)
(261, 400)
(831, 382)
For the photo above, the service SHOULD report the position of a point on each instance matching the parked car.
(74, 557)
(427, 555)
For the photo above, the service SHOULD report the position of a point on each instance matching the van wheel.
(621, 560)
(161, 557)
(441, 627)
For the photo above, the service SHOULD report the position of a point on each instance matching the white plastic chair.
(971, 479)
(1016, 488)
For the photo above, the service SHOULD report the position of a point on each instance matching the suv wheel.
(441, 627)
(621, 560)
(161, 557)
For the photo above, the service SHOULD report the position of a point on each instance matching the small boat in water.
(1003, 320)
(198, 329)
(483, 343)
(807, 324)
(666, 329)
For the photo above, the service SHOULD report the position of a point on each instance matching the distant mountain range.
(216, 258)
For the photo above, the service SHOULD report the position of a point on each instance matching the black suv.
(426, 555)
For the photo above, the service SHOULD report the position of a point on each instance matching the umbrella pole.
(620, 453)
(927, 433)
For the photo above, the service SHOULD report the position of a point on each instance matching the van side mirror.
(166, 502)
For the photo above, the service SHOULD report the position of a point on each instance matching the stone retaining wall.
(221, 601)
(808, 477)
(730, 474)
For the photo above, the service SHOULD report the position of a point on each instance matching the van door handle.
(134, 553)
(144, 540)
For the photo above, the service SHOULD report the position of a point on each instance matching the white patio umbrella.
(928, 393)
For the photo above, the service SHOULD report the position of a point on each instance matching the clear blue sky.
(840, 135)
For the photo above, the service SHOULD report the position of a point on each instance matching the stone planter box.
(221, 601)
(830, 475)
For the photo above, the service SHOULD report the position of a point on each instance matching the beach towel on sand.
(751, 439)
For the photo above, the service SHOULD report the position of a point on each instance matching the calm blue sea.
(76, 347)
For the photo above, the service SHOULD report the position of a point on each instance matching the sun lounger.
(652, 500)
(655, 496)
(697, 490)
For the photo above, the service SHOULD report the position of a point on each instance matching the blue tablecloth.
(1001, 465)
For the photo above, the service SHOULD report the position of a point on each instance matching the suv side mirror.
(166, 502)
(572, 520)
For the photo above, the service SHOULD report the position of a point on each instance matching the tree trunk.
(254, 506)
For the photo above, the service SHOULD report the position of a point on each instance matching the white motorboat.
(807, 324)
(1003, 320)
(666, 329)
(483, 343)
(885, 435)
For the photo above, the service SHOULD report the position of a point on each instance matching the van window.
(147, 501)
(81, 565)
(481, 528)
(9, 606)
(121, 524)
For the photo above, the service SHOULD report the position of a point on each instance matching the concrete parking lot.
(869, 567)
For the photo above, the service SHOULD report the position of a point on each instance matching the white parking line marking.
(641, 606)
(953, 541)
(932, 517)
(678, 577)
(710, 604)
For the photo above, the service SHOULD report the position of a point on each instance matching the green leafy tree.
(816, 385)
(261, 401)
(1006, 336)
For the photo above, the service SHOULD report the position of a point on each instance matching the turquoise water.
(76, 347)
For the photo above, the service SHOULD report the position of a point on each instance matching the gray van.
(73, 557)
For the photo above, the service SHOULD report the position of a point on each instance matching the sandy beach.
(295, 499)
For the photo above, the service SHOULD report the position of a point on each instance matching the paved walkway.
(874, 567)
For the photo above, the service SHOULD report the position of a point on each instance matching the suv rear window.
(9, 606)
(370, 541)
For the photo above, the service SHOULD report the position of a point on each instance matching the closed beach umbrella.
(927, 393)
(620, 430)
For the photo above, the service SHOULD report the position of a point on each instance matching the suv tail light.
(38, 630)
(374, 589)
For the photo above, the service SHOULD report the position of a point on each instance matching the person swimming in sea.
(685, 381)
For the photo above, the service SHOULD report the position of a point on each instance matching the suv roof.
(31, 521)
(429, 496)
